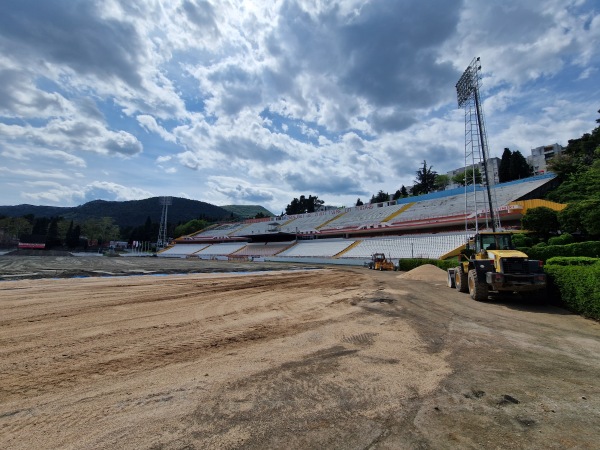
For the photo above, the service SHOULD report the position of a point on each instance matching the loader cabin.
(493, 241)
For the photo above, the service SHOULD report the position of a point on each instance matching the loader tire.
(478, 290)
(451, 282)
(460, 280)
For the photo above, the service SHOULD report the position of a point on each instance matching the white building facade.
(541, 155)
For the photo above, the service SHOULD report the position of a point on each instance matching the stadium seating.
(221, 249)
(182, 250)
(263, 249)
(322, 248)
(366, 215)
(258, 228)
(310, 222)
(219, 231)
(412, 246)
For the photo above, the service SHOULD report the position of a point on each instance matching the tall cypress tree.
(504, 169)
(69, 235)
(52, 239)
(519, 168)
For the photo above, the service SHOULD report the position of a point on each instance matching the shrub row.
(563, 239)
(591, 249)
(411, 263)
(578, 287)
(574, 261)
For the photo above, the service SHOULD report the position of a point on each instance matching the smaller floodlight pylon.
(162, 240)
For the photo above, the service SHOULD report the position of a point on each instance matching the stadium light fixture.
(467, 94)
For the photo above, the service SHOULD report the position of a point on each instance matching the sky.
(258, 102)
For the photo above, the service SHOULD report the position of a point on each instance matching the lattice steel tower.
(476, 152)
(162, 231)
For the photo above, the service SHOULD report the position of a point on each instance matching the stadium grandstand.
(428, 226)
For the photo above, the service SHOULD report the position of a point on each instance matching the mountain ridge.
(126, 213)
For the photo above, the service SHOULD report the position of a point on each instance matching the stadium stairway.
(397, 213)
(330, 220)
(350, 247)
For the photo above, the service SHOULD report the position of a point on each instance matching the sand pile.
(426, 272)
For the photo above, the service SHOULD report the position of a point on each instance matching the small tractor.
(380, 262)
(491, 263)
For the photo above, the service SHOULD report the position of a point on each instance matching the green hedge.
(591, 249)
(563, 239)
(572, 261)
(411, 263)
(578, 287)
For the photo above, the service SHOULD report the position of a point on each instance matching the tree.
(190, 227)
(441, 182)
(40, 226)
(72, 236)
(581, 217)
(380, 197)
(541, 221)
(564, 165)
(425, 181)
(467, 177)
(359, 202)
(522, 240)
(504, 169)
(519, 168)
(145, 233)
(404, 191)
(579, 186)
(76, 237)
(102, 229)
(148, 234)
(579, 154)
(68, 235)
(52, 239)
(304, 205)
(16, 226)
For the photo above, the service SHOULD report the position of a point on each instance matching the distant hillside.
(247, 211)
(129, 213)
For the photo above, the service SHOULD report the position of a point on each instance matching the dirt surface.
(342, 358)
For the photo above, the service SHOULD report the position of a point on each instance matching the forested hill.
(128, 213)
(248, 211)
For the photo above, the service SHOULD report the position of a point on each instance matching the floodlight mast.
(162, 231)
(467, 90)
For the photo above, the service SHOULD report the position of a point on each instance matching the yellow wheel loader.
(491, 264)
(380, 262)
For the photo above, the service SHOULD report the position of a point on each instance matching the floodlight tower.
(162, 231)
(476, 147)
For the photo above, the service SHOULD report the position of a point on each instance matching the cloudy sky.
(258, 102)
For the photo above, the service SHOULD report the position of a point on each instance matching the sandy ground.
(341, 358)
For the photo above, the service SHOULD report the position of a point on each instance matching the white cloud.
(112, 191)
(50, 192)
(36, 154)
(64, 194)
(264, 100)
(34, 173)
(73, 135)
(236, 191)
(150, 124)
